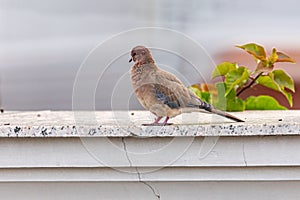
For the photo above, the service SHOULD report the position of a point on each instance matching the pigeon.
(162, 93)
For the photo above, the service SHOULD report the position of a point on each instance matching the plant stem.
(249, 85)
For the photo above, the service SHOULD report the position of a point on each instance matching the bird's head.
(141, 55)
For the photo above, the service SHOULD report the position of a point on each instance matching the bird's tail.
(210, 108)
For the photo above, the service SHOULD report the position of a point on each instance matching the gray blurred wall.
(43, 43)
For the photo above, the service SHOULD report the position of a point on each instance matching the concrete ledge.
(124, 124)
(109, 155)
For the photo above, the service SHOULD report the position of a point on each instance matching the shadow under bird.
(161, 92)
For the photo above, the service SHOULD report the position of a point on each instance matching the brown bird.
(161, 92)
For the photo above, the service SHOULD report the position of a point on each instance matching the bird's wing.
(166, 96)
(170, 90)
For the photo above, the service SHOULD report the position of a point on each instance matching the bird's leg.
(156, 122)
(166, 122)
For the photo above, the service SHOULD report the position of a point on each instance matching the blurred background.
(43, 43)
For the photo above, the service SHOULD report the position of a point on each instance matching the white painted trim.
(174, 174)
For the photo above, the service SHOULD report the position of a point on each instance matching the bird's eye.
(133, 54)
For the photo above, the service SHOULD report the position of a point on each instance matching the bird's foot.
(158, 124)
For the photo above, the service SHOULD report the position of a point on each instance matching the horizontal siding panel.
(150, 152)
(169, 174)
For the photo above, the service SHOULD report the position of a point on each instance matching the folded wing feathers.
(166, 96)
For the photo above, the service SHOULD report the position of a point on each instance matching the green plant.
(225, 95)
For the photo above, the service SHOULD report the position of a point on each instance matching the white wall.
(65, 168)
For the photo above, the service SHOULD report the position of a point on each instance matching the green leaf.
(263, 66)
(268, 81)
(195, 90)
(283, 79)
(235, 104)
(288, 96)
(255, 50)
(263, 102)
(284, 58)
(205, 96)
(235, 78)
(220, 103)
(223, 68)
(230, 102)
(273, 57)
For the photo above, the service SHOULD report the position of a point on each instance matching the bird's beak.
(130, 59)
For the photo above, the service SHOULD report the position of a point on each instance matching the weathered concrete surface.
(115, 159)
(128, 123)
